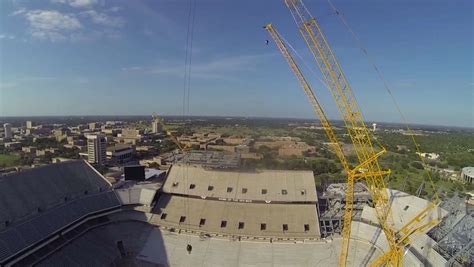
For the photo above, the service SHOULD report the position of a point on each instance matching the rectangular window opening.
(406, 207)
(182, 219)
(192, 186)
(210, 188)
(285, 227)
(229, 189)
(263, 226)
(306, 227)
(163, 216)
(223, 224)
(202, 222)
(241, 225)
(264, 191)
(284, 192)
(244, 190)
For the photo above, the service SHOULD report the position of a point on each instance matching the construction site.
(206, 210)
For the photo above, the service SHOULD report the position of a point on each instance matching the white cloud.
(7, 36)
(77, 3)
(221, 68)
(19, 12)
(55, 26)
(115, 9)
(51, 25)
(104, 19)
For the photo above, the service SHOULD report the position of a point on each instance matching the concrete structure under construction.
(64, 213)
(265, 205)
(332, 205)
(454, 236)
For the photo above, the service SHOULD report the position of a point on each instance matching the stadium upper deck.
(38, 205)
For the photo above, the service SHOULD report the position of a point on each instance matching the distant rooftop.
(213, 159)
(469, 171)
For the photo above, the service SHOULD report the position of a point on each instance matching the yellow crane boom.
(352, 117)
(352, 173)
(369, 168)
(311, 95)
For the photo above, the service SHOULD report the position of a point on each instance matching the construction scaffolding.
(332, 204)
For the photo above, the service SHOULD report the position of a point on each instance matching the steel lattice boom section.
(311, 95)
(369, 168)
(324, 122)
(353, 119)
(352, 173)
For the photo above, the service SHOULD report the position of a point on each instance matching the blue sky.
(106, 57)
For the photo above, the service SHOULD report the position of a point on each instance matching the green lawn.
(9, 160)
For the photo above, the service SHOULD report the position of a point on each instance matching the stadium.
(68, 214)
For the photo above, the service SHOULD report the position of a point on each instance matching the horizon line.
(237, 116)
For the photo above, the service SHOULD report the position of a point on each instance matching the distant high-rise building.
(374, 126)
(29, 124)
(96, 149)
(8, 130)
(156, 126)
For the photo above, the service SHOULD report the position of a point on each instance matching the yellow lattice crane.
(369, 168)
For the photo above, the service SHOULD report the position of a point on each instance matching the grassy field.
(9, 160)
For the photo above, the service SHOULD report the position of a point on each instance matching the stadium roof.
(265, 185)
(404, 207)
(25, 193)
(39, 203)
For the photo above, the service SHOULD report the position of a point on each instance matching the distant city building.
(120, 153)
(8, 130)
(60, 159)
(299, 149)
(96, 149)
(93, 125)
(29, 124)
(29, 149)
(432, 156)
(467, 175)
(130, 133)
(61, 134)
(374, 126)
(156, 126)
(13, 145)
(130, 136)
(46, 151)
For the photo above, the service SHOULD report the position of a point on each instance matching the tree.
(417, 165)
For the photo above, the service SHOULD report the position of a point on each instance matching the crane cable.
(186, 97)
(389, 91)
(188, 56)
